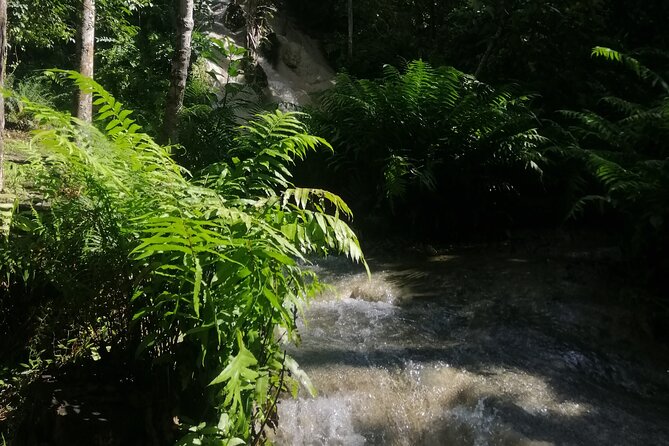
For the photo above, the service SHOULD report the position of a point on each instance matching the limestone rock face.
(298, 70)
(301, 68)
(291, 52)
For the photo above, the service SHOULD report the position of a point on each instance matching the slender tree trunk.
(488, 50)
(86, 53)
(254, 28)
(350, 31)
(3, 60)
(180, 63)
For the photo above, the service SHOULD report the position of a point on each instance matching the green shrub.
(431, 144)
(198, 274)
(35, 89)
(211, 116)
(625, 148)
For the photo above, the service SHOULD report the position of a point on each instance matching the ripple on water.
(415, 404)
(396, 372)
(318, 422)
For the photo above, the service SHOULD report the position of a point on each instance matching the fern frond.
(266, 147)
(8, 206)
(633, 64)
(303, 196)
(626, 107)
(213, 263)
(110, 110)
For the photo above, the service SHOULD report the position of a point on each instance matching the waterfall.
(296, 69)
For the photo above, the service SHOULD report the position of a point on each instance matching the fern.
(8, 205)
(633, 64)
(203, 268)
(430, 132)
(628, 156)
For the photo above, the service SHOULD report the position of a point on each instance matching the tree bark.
(491, 44)
(350, 31)
(3, 60)
(179, 74)
(254, 30)
(86, 53)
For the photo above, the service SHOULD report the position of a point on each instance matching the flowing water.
(298, 70)
(476, 348)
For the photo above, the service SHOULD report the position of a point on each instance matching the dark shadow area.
(96, 404)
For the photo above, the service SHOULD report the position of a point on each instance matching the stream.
(477, 348)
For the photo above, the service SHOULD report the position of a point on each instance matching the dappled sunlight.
(376, 288)
(418, 403)
(460, 349)
(443, 258)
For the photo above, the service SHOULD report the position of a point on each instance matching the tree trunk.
(254, 29)
(86, 52)
(350, 31)
(180, 63)
(491, 44)
(3, 59)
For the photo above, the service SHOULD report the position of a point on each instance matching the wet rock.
(233, 18)
(291, 52)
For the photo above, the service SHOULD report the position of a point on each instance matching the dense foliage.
(186, 264)
(433, 148)
(625, 148)
(543, 45)
(196, 274)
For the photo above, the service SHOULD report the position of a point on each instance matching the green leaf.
(237, 375)
(300, 375)
(197, 284)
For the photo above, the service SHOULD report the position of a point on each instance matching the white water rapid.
(298, 70)
(473, 349)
